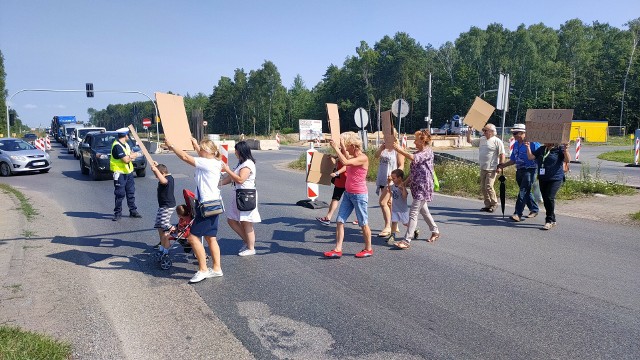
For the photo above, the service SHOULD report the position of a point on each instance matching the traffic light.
(89, 89)
(12, 118)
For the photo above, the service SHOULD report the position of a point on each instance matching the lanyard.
(546, 153)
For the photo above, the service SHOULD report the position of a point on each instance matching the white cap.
(122, 131)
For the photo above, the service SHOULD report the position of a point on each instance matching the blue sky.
(185, 46)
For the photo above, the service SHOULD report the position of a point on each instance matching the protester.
(399, 205)
(390, 160)
(552, 161)
(208, 167)
(339, 179)
(166, 205)
(121, 164)
(525, 173)
(491, 153)
(421, 184)
(356, 195)
(242, 177)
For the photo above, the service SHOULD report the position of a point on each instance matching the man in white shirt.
(491, 153)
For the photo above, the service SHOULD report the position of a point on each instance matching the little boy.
(181, 231)
(166, 206)
(399, 206)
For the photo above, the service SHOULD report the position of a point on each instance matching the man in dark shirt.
(121, 164)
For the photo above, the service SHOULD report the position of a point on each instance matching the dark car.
(95, 153)
(30, 138)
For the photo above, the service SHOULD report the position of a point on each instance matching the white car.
(19, 156)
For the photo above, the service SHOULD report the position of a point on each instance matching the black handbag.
(211, 208)
(246, 199)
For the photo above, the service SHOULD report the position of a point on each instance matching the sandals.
(402, 244)
(385, 233)
(434, 237)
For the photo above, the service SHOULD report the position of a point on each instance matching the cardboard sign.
(333, 118)
(387, 129)
(141, 144)
(174, 120)
(320, 169)
(478, 114)
(549, 126)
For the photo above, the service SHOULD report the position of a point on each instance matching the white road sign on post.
(400, 108)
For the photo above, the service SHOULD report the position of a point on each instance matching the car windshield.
(83, 132)
(15, 145)
(30, 136)
(103, 141)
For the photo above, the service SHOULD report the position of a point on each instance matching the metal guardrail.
(442, 157)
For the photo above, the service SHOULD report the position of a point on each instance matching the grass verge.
(19, 344)
(25, 206)
(635, 216)
(623, 156)
(463, 180)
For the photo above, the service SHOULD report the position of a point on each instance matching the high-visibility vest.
(117, 165)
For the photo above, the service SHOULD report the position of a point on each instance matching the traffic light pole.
(95, 91)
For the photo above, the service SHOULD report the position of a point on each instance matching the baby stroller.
(181, 231)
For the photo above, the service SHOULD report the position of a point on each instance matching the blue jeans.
(525, 178)
(359, 202)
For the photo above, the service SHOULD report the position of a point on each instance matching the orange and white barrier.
(512, 142)
(40, 144)
(224, 153)
(578, 145)
(404, 141)
(637, 151)
(47, 143)
(278, 139)
(313, 190)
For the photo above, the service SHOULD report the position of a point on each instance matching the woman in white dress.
(390, 160)
(242, 177)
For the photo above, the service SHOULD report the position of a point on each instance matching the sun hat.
(518, 128)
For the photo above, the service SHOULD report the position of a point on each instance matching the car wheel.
(5, 170)
(141, 172)
(93, 171)
(83, 169)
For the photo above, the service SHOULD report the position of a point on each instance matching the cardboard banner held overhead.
(478, 114)
(387, 129)
(145, 152)
(174, 120)
(320, 169)
(549, 126)
(334, 122)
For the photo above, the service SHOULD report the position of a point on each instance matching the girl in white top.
(389, 161)
(207, 173)
(242, 177)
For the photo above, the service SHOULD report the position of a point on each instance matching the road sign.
(204, 123)
(146, 122)
(401, 107)
(361, 117)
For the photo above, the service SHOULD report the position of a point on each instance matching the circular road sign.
(361, 117)
(403, 105)
(146, 122)
(204, 123)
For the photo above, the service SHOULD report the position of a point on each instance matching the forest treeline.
(591, 68)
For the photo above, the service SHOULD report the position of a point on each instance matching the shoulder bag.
(210, 208)
(246, 199)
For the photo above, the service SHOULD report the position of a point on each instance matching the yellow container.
(590, 130)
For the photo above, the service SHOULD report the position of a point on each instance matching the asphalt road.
(588, 163)
(488, 288)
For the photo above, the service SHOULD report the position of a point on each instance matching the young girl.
(399, 206)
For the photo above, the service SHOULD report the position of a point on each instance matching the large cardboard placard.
(174, 120)
(549, 126)
(310, 130)
(387, 129)
(334, 122)
(145, 152)
(320, 169)
(478, 114)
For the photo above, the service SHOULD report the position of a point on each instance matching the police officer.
(121, 164)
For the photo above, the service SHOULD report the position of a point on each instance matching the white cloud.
(60, 106)
(30, 106)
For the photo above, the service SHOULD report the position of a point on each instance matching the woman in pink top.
(356, 195)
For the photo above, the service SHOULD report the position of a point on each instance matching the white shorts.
(401, 217)
(232, 212)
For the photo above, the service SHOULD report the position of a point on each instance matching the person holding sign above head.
(121, 164)
(525, 172)
(356, 195)
(551, 161)
(390, 160)
(208, 167)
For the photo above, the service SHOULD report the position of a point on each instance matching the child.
(181, 231)
(399, 206)
(166, 206)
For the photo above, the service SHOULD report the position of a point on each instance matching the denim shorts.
(359, 202)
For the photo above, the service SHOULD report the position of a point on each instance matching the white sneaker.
(247, 252)
(199, 276)
(212, 274)
(243, 248)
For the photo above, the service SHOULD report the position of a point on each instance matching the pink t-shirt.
(356, 180)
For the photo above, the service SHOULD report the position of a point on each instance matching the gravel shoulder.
(104, 314)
